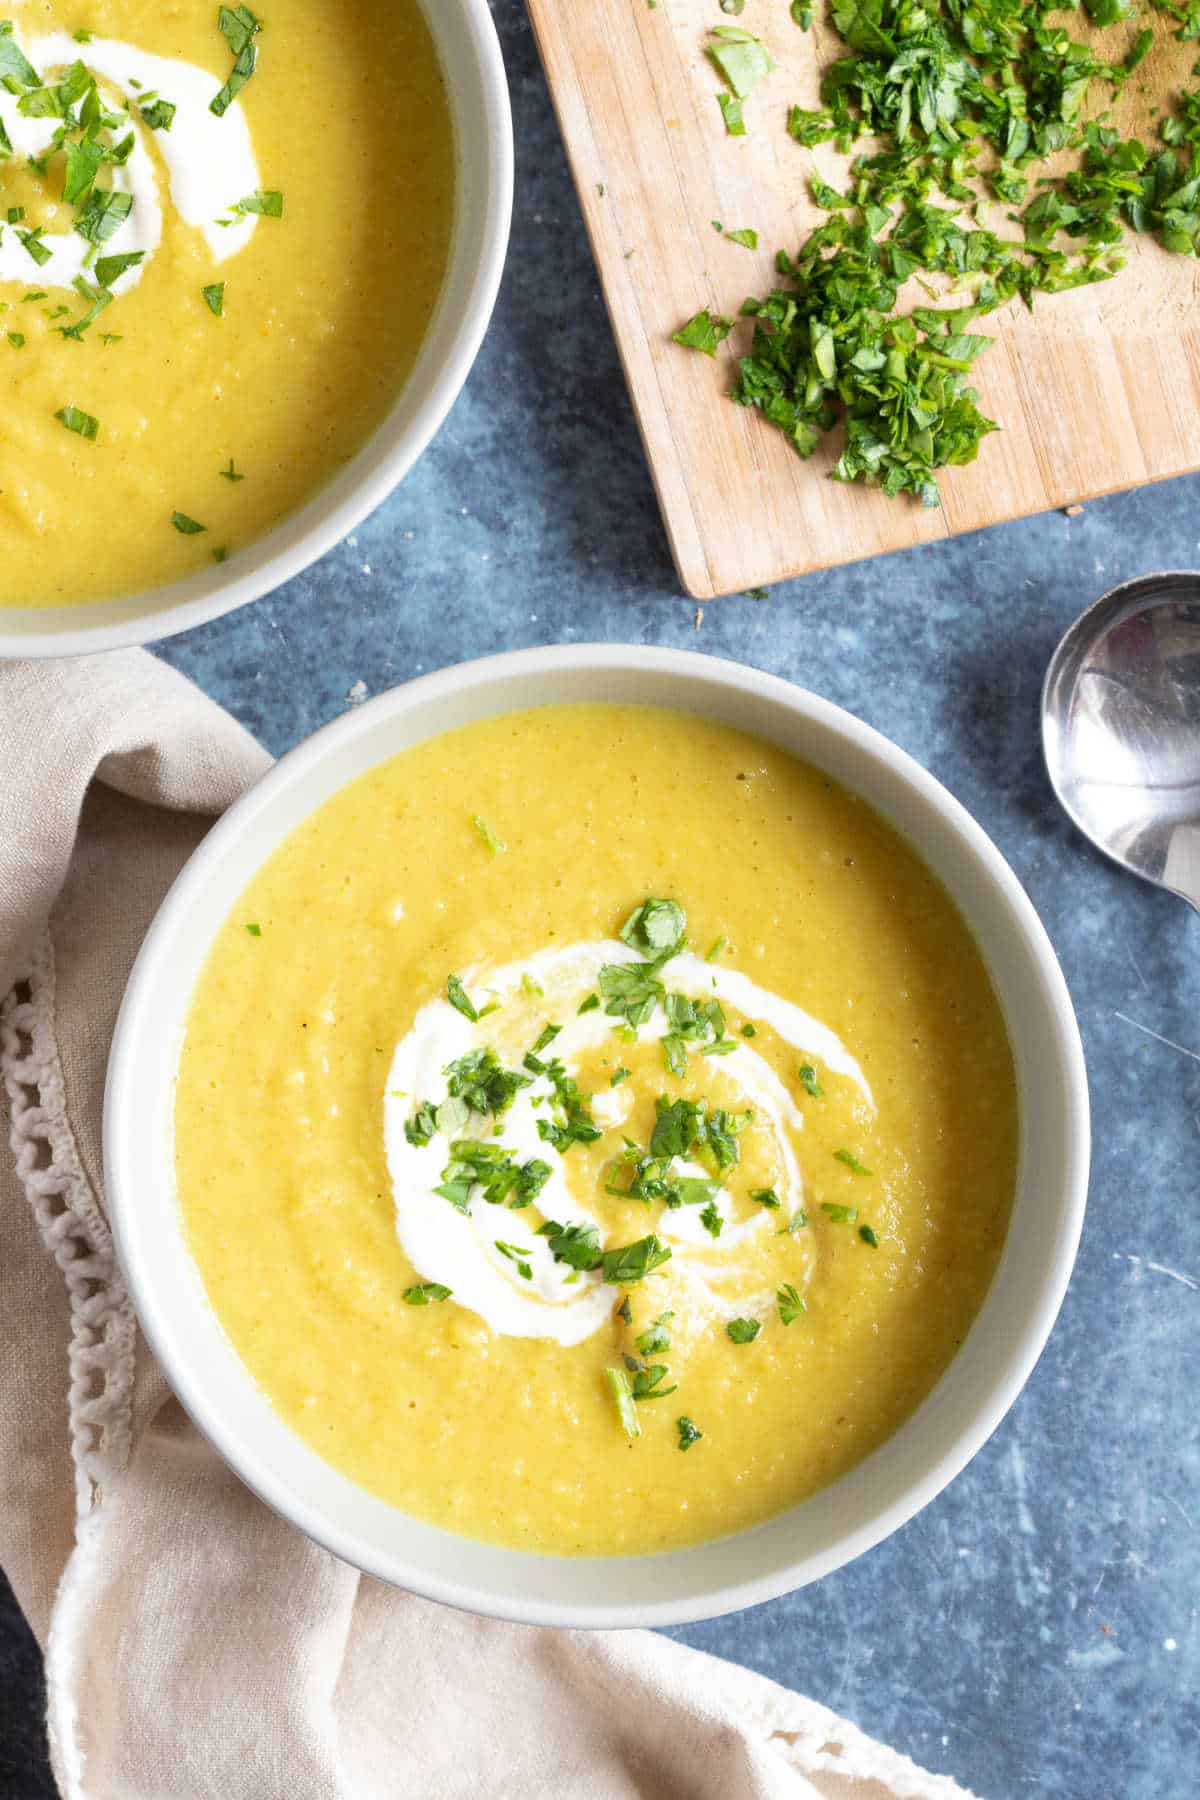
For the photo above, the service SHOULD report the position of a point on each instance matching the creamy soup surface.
(205, 313)
(596, 1130)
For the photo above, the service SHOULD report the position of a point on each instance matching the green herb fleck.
(426, 1291)
(743, 1331)
(189, 527)
(851, 1161)
(495, 844)
(791, 1303)
(622, 1393)
(868, 1236)
(809, 1082)
(765, 1196)
(239, 28)
(82, 423)
(689, 1434)
(633, 1262)
(840, 1215)
(254, 930)
(704, 331)
(214, 298)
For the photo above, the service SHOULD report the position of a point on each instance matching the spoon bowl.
(1121, 727)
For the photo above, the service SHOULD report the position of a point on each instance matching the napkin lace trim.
(74, 1230)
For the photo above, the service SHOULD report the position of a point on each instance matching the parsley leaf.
(214, 298)
(495, 844)
(426, 1291)
(239, 28)
(851, 1161)
(189, 527)
(622, 1393)
(704, 331)
(688, 1433)
(791, 1303)
(82, 423)
(633, 1262)
(457, 995)
(743, 1331)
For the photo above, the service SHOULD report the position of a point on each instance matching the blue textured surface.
(1034, 1631)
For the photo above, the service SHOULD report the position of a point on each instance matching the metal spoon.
(1121, 728)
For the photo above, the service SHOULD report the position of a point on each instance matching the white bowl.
(834, 1525)
(473, 69)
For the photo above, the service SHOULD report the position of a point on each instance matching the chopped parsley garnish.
(459, 999)
(731, 112)
(657, 928)
(791, 1303)
(78, 421)
(689, 1434)
(749, 1031)
(426, 1291)
(267, 203)
(516, 1254)
(656, 1338)
(479, 1079)
(189, 527)
(840, 1215)
(572, 1122)
(716, 948)
(765, 1196)
(108, 269)
(214, 298)
(158, 115)
(488, 1167)
(32, 241)
(851, 1161)
(809, 1082)
(631, 991)
(576, 1245)
(648, 1380)
(231, 474)
(619, 1074)
(103, 214)
(633, 1262)
(747, 237)
(588, 1005)
(622, 1393)
(16, 339)
(868, 1236)
(421, 1128)
(254, 930)
(797, 1222)
(743, 1331)
(495, 844)
(711, 1219)
(239, 28)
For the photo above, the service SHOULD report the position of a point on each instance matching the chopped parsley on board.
(961, 104)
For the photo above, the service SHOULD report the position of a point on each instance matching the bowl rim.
(124, 1143)
(456, 330)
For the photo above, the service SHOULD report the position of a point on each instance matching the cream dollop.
(209, 161)
(459, 1249)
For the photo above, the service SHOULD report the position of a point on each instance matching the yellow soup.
(651, 1276)
(205, 314)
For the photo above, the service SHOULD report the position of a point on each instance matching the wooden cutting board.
(1099, 389)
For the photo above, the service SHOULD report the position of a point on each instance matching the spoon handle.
(1181, 871)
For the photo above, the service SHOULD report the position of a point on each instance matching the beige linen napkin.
(198, 1648)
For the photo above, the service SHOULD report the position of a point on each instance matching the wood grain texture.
(1097, 390)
